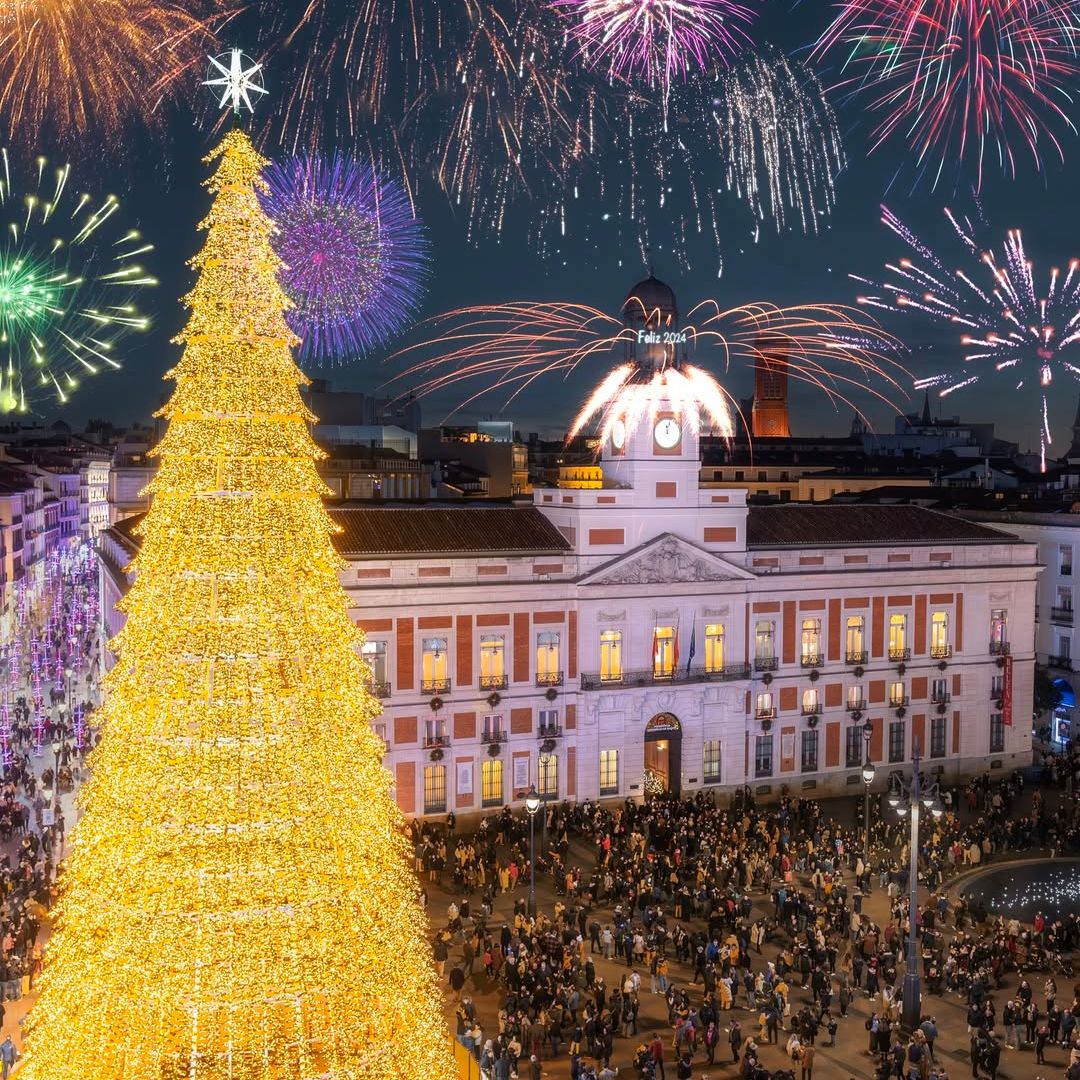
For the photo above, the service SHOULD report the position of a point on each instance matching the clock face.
(667, 433)
(618, 434)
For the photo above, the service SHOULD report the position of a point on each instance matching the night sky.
(159, 175)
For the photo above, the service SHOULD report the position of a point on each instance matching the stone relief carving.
(668, 561)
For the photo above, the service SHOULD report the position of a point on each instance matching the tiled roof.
(444, 530)
(425, 530)
(801, 525)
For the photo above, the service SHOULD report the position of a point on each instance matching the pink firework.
(657, 40)
(962, 80)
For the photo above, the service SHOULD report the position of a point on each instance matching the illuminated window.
(939, 634)
(854, 697)
(548, 659)
(898, 647)
(811, 642)
(609, 772)
(434, 677)
(548, 782)
(999, 630)
(434, 789)
(491, 780)
(611, 655)
(714, 647)
(897, 695)
(811, 703)
(663, 652)
(712, 761)
(764, 705)
(492, 659)
(764, 638)
(374, 654)
(856, 650)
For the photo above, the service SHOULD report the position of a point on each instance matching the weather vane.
(239, 77)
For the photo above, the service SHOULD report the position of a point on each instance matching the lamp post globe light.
(909, 800)
(532, 804)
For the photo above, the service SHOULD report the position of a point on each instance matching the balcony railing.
(812, 710)
(856, 657)
(493, 736)
(899, 654)
(855, 706)
(766, 714)
(493, 682)
(380, 689)
(434, 686)
(811, 660)
(940, 699)
(1066, 570)
(765, 663)
(436, 742)
(999, 648)
(549, 731)
(940, 652)
(898, 702)
(1064, 663)
(549, 678)
(1063, 615)
(595, 681)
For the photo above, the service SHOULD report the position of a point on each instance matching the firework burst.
(1007, 325)
(504, 349)
(79, 67)
(355, 255)
(962, 80)
(68, 274)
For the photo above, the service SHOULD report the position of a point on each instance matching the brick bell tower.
(769, 415)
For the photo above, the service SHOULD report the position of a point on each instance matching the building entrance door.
(663, 755)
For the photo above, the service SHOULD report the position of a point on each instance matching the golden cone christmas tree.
(238, 903)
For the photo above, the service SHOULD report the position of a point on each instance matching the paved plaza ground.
(848, 1059)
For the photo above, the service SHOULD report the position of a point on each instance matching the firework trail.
(1007, 324)
(68, 275)
(355, 256)
(962, 80)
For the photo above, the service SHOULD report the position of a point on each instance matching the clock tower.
(654, 449)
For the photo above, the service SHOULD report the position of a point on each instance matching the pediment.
(665, 560)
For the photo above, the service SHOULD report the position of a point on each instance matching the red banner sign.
(1006, 691)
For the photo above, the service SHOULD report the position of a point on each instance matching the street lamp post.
(532, 804)
(911, 799)
(868, 773)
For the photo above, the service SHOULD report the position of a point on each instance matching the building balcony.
(1062, 663)
(899, 654)
(549, 731)
(940, 652)
(493, 736)
(493, 682)
(436, 742)
(765, 663)
(1063, 616)
(435, 686)
(549, 678)
(940, 699)
(858, 657)
(812, 710)
(380, 689)
(898, 702)
(765, 714)
(811, 659)
(855, 706)
(597, 681)
(999, 648)
(1066, 570)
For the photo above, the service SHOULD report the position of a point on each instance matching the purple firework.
(356, 256)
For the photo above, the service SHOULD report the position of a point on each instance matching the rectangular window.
(712, 761)
(1065, 559)
(853, 747)
(491, 781)
(434, 678)
(999, 631)
(434, 789)
(997, 733)
(548, 782)
(939, 635)
(548, 659)
(609, 772)
(548, 720)
(714, 647)
(435, 733)
(611, 656)
(493, 728)
(374, 654)
(855, 649)
(854, 697)
(492, 659)
(380, 731)
(937, 736)
(939, 691)
(1064, 647)
(809, 751)
(763, 745)
(810, 654)
(663, 652)
(1064, 598)
(811, 703)
(898, 647)
(897, 695)
(764, 653)
(997, 685)
(897, 738)
(764, 709)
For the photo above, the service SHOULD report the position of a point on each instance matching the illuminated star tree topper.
(239, 77)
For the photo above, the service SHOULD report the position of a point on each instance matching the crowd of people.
(749, 921)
